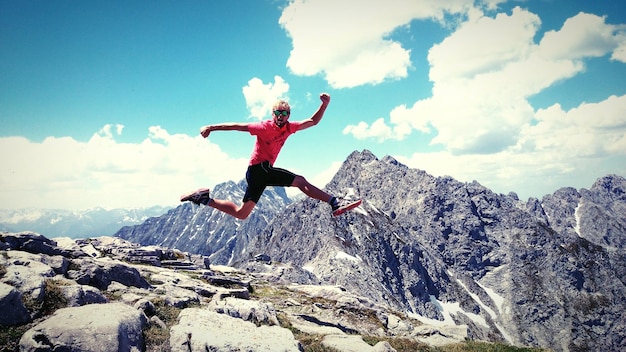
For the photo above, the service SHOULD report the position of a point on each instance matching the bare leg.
(240, 212)
(310, 190)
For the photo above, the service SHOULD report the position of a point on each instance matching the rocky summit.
(107, 294)
(543, 272)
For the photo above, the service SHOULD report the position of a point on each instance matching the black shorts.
(262, 175)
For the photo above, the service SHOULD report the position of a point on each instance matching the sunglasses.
(281, 112)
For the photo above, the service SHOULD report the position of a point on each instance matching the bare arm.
(317, 116)
(234, 126)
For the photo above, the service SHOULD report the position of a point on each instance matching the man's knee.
(242, 215)
(299, 181)
(245, 210)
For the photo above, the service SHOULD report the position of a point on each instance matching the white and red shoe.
(343, 206)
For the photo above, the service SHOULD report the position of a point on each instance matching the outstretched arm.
(206, 130)
(317, 116)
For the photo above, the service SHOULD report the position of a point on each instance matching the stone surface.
(354, 343)
(253, 311)
(205, 330)
(11, 306)
(92, 328)
(100, 273)
(80, 295)
(26, 272)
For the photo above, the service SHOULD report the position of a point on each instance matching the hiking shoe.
(341, 206)
(201, 196)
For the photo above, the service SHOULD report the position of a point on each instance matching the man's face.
(281, 116)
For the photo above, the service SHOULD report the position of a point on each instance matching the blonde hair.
(281, 105)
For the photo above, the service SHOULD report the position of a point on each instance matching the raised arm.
(317, 116)
(230, 126)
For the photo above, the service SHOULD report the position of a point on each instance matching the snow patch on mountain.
(577, 218)
(346, 256)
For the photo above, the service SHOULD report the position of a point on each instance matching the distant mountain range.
(75, 224)
(549, 273)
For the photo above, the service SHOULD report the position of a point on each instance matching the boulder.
(177, 296)
(26, 273)
(101, 272)
(146, 306)
(91, 328)
(11, 306)
(441, 335)
(253, 311)
(35, 243)
(58, 263)
(81, 295)
(204, 330)
(31, 242)
(354, 343)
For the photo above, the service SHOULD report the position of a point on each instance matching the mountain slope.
(204, 230)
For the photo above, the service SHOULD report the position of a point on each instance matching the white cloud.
(484, 73)
(563, 148)
(339, 38)
(68, 174)
(589, 130)
(400, 117)
(261, 97)
(378, 130)
(483, 45)
(584, 35)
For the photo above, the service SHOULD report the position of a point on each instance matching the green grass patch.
(412, 345)
(475, 346)
(10, 337)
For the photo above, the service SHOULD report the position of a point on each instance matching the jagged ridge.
(204, 230)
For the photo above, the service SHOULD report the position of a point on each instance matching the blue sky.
(101, 102)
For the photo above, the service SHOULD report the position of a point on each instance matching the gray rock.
(11, 306)
(177, 296)
(80, 295)
(204, 330)
(100, 273)
(156, 321)
(354, 343)
(146, 306)
(58, 263)
(253, 311)
(92, 328)
(26, 273)
(31, 242)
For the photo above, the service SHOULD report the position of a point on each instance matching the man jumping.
(270, 138)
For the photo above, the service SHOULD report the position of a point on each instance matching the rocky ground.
(107, 294)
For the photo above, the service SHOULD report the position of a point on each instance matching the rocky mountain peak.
(612, 186)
